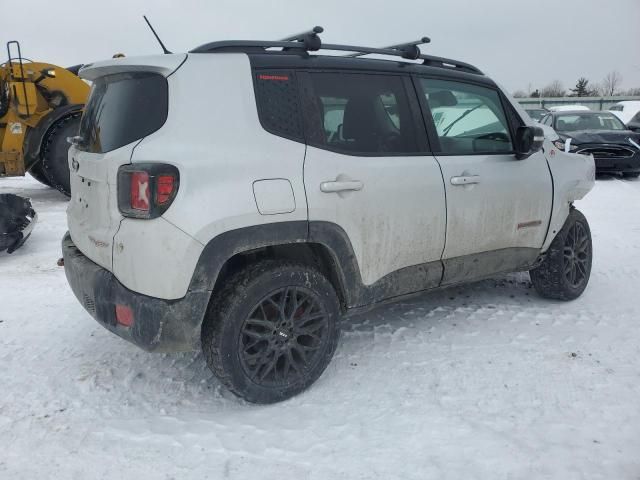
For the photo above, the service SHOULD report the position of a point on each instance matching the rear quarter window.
(123, 108)
(279, 103)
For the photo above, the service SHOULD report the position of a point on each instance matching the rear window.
(123, 108)
(578, 122)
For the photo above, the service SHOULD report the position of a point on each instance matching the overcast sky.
(519, 43)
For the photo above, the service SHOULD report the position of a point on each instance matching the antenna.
(164, 49)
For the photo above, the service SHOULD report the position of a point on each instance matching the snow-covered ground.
(486, 381)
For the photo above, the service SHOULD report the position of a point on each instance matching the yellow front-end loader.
(40, 106)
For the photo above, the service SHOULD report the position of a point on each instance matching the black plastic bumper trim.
(160, 325)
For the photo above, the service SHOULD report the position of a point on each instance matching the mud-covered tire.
(564, 273)
(54, 152)
(272, 330)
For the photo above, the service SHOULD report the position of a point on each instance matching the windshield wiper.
(467, 112)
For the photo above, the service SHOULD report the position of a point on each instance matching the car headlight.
(560, 145)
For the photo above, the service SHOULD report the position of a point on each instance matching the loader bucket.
(17, 219)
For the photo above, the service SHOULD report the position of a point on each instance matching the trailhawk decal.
(533, 223)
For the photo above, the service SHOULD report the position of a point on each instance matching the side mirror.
(529, 140)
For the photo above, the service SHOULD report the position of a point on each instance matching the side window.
(469, 119)
(279, 103)
(616, 108)
(361, 113)
(547, 120)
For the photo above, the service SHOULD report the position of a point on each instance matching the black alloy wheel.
(282, 337)
(577, 255)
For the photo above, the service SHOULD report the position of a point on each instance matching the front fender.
(573, 177)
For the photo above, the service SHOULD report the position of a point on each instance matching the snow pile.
(486, 381)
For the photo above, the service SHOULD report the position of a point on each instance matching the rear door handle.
(341, 186)
(465, 180)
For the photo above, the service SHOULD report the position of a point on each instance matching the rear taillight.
(140, 191)
(146, 190)
(165, 188)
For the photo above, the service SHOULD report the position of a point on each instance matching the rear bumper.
(159, 325)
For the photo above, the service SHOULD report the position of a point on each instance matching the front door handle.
(341, 186)
(465, 180)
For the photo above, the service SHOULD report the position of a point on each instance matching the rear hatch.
(128, 101)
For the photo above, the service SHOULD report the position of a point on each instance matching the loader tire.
(55, 148)
(38, 173)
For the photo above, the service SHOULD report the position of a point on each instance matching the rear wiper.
(467, 112)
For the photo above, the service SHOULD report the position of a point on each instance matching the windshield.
(588, 121)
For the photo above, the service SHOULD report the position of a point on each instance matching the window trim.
(307, 101)
(434, 138)
(511, 114)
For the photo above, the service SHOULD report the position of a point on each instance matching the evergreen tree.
(582, 88)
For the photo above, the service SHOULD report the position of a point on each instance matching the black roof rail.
(301, 36)
(246, 46)
(442, 62)
(310, 41)
(409, 50)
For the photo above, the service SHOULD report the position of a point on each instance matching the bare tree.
(610, 84)
(554, 89)
(633, 92)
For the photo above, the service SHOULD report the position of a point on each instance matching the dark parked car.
(634, 123)
(536, 113)
(615, 148)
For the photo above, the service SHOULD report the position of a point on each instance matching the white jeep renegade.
(245, 196)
